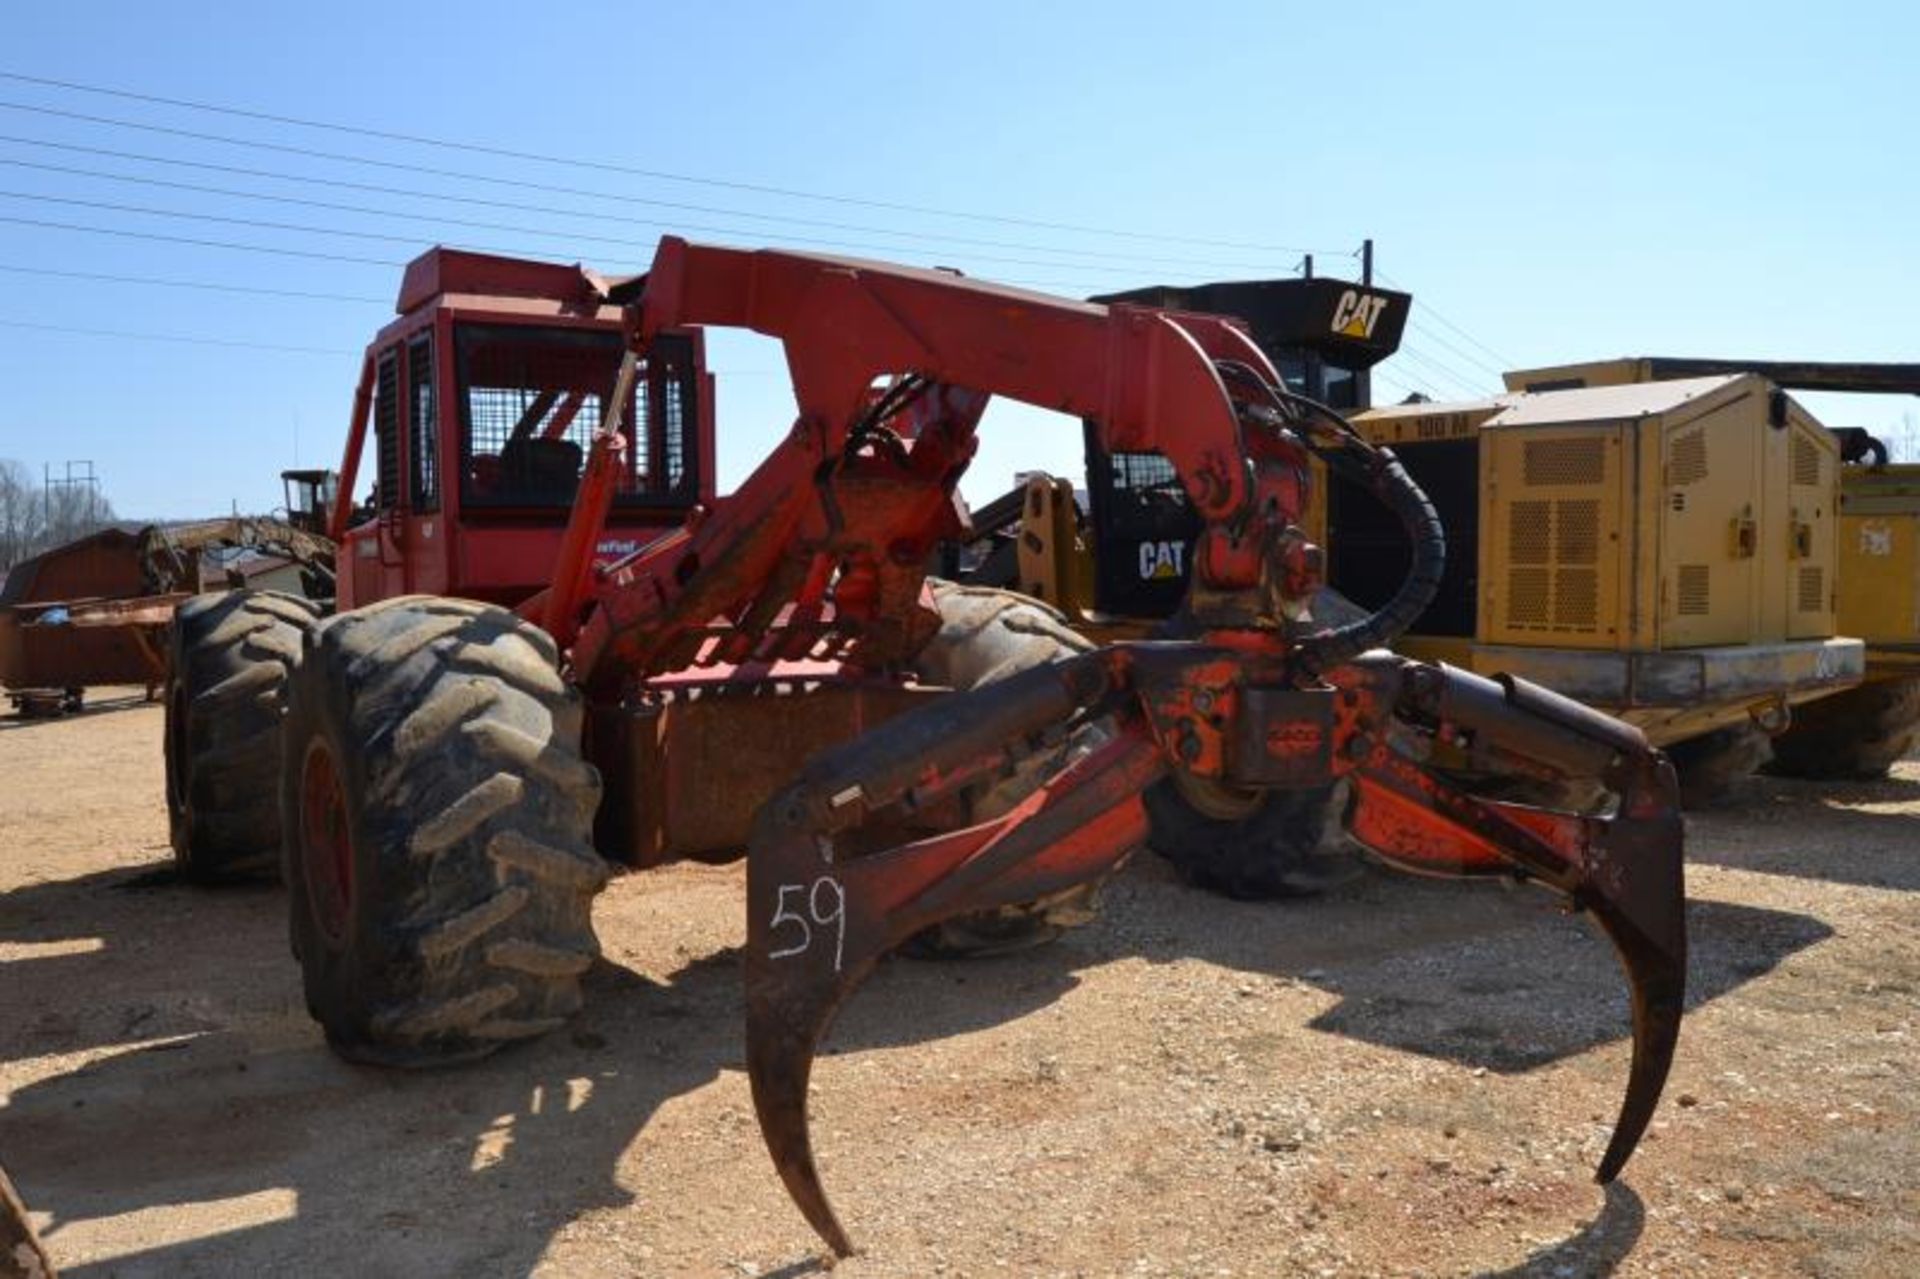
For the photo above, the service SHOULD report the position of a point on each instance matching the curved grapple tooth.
(815, 930)
(1635, 887)
(780, 1052)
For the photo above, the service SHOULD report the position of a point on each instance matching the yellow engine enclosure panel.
(1664, 550)
(1879, 563)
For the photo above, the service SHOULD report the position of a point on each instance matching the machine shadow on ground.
(1863, 840)
(474, 1171)
(225, 1090)
(17, 722)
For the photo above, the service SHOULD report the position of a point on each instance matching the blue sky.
(1551, 185)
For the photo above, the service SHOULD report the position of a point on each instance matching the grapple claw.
(1625, 868)
(1636, 892)
(817, 922)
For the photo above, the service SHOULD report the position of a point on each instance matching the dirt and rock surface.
(1408, 1077)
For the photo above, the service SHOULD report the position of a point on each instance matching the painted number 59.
(821, 904)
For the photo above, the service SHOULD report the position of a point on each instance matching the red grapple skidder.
(820, 556)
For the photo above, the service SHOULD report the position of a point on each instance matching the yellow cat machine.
(1665, 550)
(1860, 732)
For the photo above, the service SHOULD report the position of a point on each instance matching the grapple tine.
(817, 924)
(1636, 890)
(814, 932)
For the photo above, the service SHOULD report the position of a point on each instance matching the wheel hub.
(326, 844)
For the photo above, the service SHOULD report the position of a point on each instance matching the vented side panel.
(1553, 548)
(1530, 534)
(1812, 594)
(1581, 460)
(1806, 461)
(1695, 590)
(1529, 598)
(1687, 458)
(1558, 492)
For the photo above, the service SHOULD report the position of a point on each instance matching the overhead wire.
(191, 340)
(1435, 312)
(628, 170)
(1459, 384)
(160, 237)
(646, 246)
(105, 277)
(549, 188)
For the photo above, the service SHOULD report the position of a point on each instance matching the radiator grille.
(1687, 460)
(1694, 598)
(1553, 582)
(1529, 601)
(1806, 461)
(1582, 460)
(1576, 598)
(1577, 539)
(1813, 591)
(1530, 538)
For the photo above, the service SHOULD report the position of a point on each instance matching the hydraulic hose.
(1346, 452)
(1388, 480)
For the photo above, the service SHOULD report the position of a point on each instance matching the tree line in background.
(34, 517)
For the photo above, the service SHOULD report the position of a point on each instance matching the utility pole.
(1366, 261)
(78, 474)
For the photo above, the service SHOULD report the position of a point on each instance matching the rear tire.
(1252, 847)
(1711, 766)
(441, 872)
(987, 634)
(1855, 735)
(231, 653)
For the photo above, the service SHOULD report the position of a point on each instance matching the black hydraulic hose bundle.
(1346, 452)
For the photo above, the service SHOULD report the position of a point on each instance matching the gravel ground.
(1407, 1077)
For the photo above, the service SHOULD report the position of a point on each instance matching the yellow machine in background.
(1862, 731)
(1664, 551)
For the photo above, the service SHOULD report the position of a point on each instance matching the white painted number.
(833, 913)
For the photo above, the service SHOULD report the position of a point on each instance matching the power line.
(1438, 369)
(255, 223)
(205, 244)
(109, 278)
(475, 148)
(1434, 311)
(547, 188)
(170, 337)
(158, 237)
(1427, 334)
(646, 246)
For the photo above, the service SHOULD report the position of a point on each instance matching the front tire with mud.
(231, 655)
(440, 869)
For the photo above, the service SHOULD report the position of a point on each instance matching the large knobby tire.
(1855, 735)
(441, 871)
(987, 634)
(1711, 767)
(1250, 846)
(232, 653)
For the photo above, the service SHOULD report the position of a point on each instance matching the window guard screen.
(422, 427)
(386, 430)
(531, 398)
